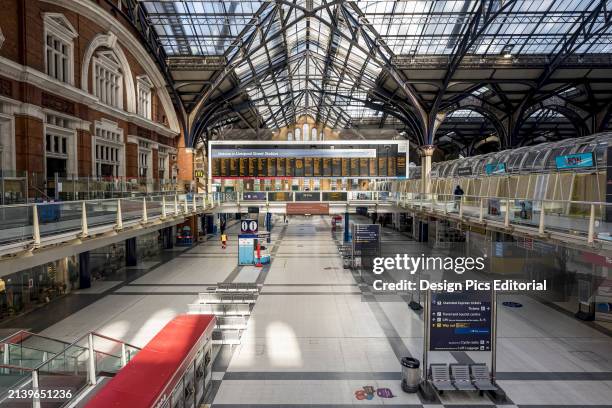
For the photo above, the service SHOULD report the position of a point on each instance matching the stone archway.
(110, 41)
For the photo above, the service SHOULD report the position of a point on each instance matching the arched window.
(108, 79)
(298, 134)
(290, 136)
(306, 131)
(314, 134)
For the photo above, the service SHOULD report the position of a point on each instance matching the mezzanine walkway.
(32, 234)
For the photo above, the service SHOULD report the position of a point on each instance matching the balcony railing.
(36, 225)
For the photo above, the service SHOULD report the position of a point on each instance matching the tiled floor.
(314, 338)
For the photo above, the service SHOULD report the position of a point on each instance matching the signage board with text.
(460, 321)
(572, 161)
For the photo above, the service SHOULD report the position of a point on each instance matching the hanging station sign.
(464, 171)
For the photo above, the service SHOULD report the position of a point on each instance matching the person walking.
(458, 194)
(223, 240)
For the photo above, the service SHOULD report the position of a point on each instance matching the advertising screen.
(572, 161)
(495, 168)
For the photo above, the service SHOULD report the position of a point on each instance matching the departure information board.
(364, 170)
(327, 170)
(316, 170)
(308, 160)
(272, 166)
(460, 321)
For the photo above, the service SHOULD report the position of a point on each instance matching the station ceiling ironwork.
(376, 64)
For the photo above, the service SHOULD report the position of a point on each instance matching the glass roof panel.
(324, 57)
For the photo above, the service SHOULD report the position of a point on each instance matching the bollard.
(541, 226)
(84, 229)
(591, 235)
(145, 218)
(163, 212)
(507, 215)
(91, 360)
(119, 221)
(35, 226)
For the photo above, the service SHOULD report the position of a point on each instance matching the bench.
(226, 297)
(237, 287)
(462, 377)
(231, 322)
(220, 309)
(482, 378)
(440, 378)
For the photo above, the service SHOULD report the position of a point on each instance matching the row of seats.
(216, 297)
(220, 309)
(237, 287)
(461, 377)
(231, 322)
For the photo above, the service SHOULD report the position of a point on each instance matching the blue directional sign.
(254, 196)
(460, 321)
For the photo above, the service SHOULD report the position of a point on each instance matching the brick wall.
(22, 25)
(131, 160)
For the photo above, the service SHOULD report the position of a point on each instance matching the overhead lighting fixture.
(507, 51)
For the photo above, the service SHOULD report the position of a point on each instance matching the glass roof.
(434, 27)
(325, 58)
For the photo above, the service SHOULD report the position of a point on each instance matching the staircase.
(33, 362)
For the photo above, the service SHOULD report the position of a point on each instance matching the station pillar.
(210, 223)
(167, 238)
(84, 270)
(426, 153)
(131, 253)
(346, 227)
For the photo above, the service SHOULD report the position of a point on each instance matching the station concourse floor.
(316, 336)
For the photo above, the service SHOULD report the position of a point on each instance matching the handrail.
(5, 340)
(113, 339)
(14, 367)
(513, 198)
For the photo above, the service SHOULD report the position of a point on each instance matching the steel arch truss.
(262, 64)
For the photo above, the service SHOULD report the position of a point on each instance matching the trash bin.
(411, 374)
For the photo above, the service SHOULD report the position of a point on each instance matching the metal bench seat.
(226, 297)
(237, 287)
(440, 378)
(461, 377)
(481, 378)
(220, 309)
